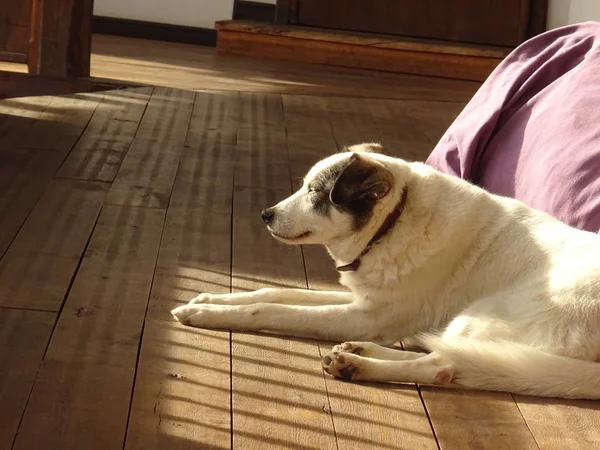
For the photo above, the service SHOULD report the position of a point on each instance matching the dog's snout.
(267, 215)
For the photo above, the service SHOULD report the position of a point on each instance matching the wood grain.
(15, 17)
(38, 267)
(279, 397)
(101, 149)
(557, 424)
(364, 39)
(17, 116)
(82, 394)
(192, 67)
(182, 392)
(402, 135)
(214, 112)
(147, 174)
(434, 117)
(309, 134)
(462, 67)
(167, 116)
(24, 176)
(62, 122)
(482, 420)
(262, 158)
(61, 38)
(351, 121)
(24, 336)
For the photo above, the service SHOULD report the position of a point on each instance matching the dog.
(499, 296)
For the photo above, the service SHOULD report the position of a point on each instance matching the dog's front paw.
(344, 366)
(349, 347)
(198, 315)
(184, 313)
(202, 298)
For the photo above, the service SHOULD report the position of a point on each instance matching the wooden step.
(358, 50)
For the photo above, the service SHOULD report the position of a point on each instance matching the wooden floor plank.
(24, 336)
(62, 122)
(279, 398)
(182, 394)
(482, 420)
(182, 391)
(100, 151)
(402, 135)
(368, 416)
(24, 176)
(167, 115)
(309, 136)
(194, 257)
(259, 110)
(17, 116)
(147, 174)
(204, 177)
(262, 158)
(193, 67)
(560, 424)
(82, 393)
(215, 112)
(435, 117)
(38, 267)
(351, 121)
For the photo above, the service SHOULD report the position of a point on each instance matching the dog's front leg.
(350, 321)
(277, 295)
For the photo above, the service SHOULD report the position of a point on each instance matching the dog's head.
(338, 198)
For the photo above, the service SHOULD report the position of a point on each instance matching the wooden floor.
(117, 206)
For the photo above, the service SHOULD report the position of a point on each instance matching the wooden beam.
(61, 36)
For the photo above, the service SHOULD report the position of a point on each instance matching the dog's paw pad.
(348, 347)
(444, 376)
(341, 365)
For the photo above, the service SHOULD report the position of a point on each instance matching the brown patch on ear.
(362, 181)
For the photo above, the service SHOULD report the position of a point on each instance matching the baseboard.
(154, 31)
(247, 10)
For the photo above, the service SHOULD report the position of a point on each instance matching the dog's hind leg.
(429, 369)
(372, 350)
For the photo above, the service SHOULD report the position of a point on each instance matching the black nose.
(267, 215)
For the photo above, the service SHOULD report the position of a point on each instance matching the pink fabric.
(532, 131)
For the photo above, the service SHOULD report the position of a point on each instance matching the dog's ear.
(363, 179)
(366, 147)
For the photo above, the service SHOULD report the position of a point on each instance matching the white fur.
(505, 297)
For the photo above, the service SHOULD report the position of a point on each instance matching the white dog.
(503, 297)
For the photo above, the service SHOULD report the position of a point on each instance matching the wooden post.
(61, 38)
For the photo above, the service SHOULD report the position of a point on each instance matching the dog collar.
(386, 226)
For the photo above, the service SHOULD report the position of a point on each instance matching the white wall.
(193, 13)
(565, 12)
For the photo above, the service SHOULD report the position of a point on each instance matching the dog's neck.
(387, 224)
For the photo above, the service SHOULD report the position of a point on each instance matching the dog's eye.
(312, 190)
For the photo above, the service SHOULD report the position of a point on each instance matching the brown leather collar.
(386, 226)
